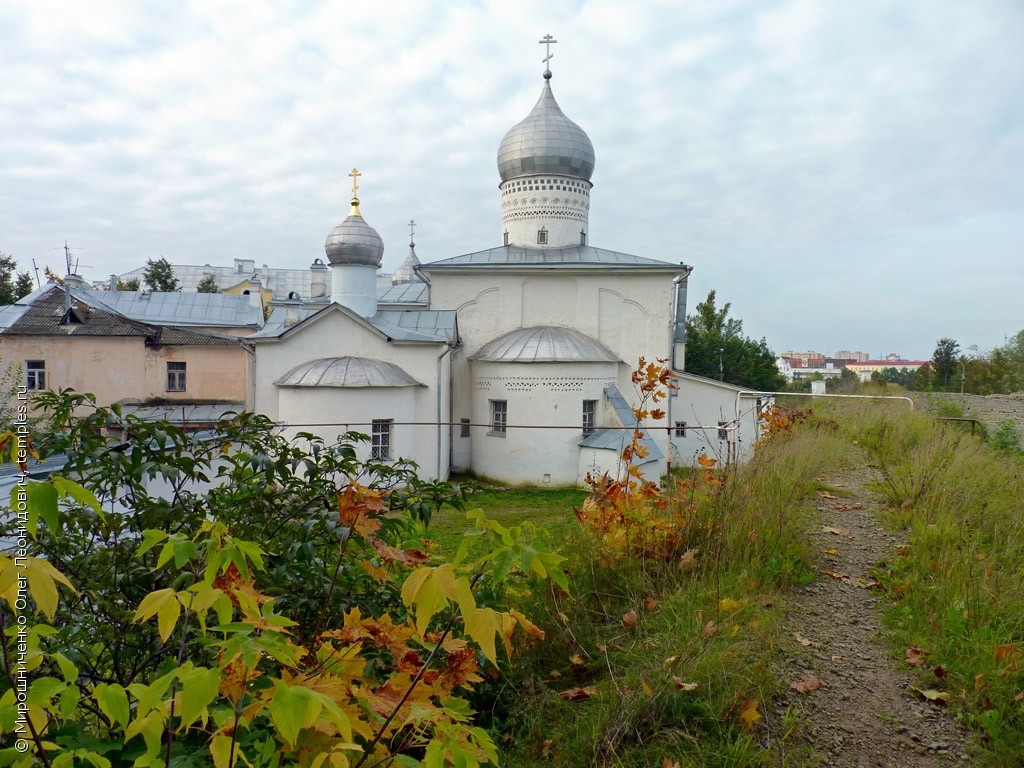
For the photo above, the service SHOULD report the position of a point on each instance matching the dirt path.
(863, 714)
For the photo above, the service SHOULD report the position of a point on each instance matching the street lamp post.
(721, 365)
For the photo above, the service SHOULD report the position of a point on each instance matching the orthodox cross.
(412, 229)
(546, 41)
(355, 179)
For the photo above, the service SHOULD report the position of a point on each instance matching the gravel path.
(864, 713)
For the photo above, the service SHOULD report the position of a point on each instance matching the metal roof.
(178, 308)
(546, 141)
(45, 317)
(197, 413)
(404, 293)
(544, 343)
(427, 325)
(347, 372)
(617, 439)
(586, 256)
(354, 242)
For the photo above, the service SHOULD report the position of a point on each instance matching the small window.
(499, 417)
(589, 416)
(583, 237)
(680, 429)
(506, 238)
(35, 374)
(723, 434)
(381, 434)
(542, 237)
(464, 428)
(175, 377)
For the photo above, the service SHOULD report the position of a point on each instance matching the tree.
(716, 348)
(208, 284)
(128, 285)
(946, 364)
(159, 276)
(13, 285)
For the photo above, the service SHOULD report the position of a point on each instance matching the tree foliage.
(132, 284)
(13, 284)
(159, 276)
(716, 348)
(239, 599)
(946, 365)
(208, 284)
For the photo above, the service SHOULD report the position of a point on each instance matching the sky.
(846, 175)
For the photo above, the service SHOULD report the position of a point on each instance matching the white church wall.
(548, 394)
(704, 403)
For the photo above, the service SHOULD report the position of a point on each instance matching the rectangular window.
(35, 374)
(723, 434)
(542, 237)
(680, 429)
(589, 416)
(175, 377)
(381, 434)
(464, 428)
(499, 417)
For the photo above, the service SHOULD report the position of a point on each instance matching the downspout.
(251, 349)
(677, 334)
(440, 421)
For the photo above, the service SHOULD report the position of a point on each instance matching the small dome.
(354, 241)
(406, 272)
(347, 372)
(546, 141)
(544, 344)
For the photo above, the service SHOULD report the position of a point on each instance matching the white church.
(511, 363)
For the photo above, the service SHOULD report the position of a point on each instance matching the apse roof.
(544, 343)
(348, 372)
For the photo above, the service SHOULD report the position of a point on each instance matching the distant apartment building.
(845, 354)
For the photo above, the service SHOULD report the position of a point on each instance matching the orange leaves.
(358, 508)
(807, 684)
(778, 421)
(579, 694)
(915, 656)
(630, 619)
(1007, 652)
(409, 557)
(749, 714)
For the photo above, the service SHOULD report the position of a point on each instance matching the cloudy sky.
(847, 174)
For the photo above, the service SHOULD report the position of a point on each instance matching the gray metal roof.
(45, 317)
(544, 343)
(434, 325)
(404, 293)
(546, 141)
(186, 414)
(278, 323)
(178, 308)
(617, 439)
(573, 256)
(347, 372)
(406, 272)
(10, 314)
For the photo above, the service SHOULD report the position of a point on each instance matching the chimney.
(317, 279)
(291, 311)
(255, 293)
(113, 282)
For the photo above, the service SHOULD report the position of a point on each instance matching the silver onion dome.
(354, 241)
(546, 141)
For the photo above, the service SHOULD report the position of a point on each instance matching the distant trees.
(208, 284)
(131, 284)
(159, 276)
(716, 348)
(946, 364)
(13, 284)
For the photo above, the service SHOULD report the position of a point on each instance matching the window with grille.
(680, 429)
(381, 439)
(723, 434)
(35, 374)
(175, 377)
(464, 428)
(589, 416)
(499, 417)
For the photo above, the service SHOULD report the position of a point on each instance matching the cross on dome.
(412, 230)
(546, 41)
(355, 174)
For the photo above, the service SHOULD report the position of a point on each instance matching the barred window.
(589, 416)
(723, 434)
(464, 428)
(680, 429)
(499, 417)
(381, 439)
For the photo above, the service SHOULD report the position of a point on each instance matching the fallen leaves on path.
(807, 683)
(827, 495)
(805, 642)
(834, 575)
(936, 697)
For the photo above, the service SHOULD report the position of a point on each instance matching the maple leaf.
(936, 697)
(806, 684)
(705, 461)
(915, 656)
(579, 694)
(834, 575)
(657, 414)
(749, 714)
(461, 668)
(709, 630)
(682, 685)
(409, 557)
(650, 604)
(630, 619)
